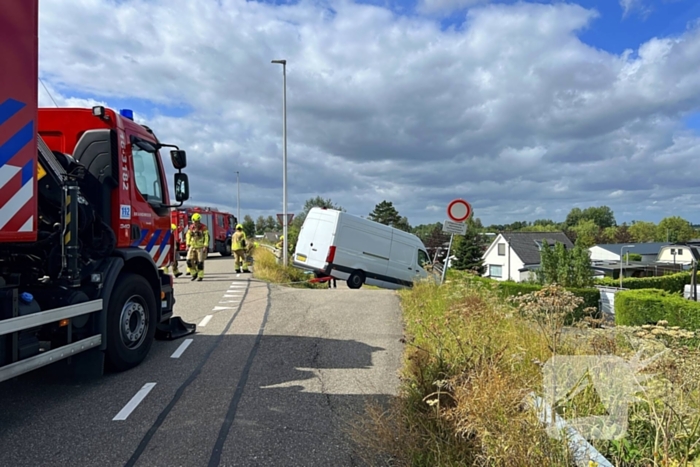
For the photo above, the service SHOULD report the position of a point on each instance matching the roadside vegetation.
(268, 269)
(475, 350)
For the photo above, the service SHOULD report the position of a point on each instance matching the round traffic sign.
(459, 210)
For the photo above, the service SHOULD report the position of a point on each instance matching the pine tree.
(385, 213)
(469, 253)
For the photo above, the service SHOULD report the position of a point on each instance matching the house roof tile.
(524, 244)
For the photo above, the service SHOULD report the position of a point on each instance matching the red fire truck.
(84, 224)
(220, 224)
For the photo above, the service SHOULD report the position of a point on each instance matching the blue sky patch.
(141, 107)
(692, 121)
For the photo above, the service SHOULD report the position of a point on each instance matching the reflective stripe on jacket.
(236, 240)
(198, 237)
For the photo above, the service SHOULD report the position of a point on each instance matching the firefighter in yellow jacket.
(176, 271)
(198, 244)
(238, 245)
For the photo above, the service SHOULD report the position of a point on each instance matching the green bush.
(591, 296)
(673, 283)
(508, 289)
(649, 306)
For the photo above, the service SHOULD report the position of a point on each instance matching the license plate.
(301, 258)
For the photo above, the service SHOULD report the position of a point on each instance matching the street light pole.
(285, 247)
(238, 198)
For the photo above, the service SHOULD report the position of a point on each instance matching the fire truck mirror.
(182, 187)
(179, 158)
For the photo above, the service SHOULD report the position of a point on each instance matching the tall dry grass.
(469, 363)
(266, 268)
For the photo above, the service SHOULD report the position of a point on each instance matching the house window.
(495, 271)
(501, 249)
(680, 252)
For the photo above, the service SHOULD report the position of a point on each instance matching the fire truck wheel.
(131, 322)
(227, 249)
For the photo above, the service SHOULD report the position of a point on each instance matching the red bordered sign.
(459, 210)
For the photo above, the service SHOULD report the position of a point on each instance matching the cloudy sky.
(525, 109)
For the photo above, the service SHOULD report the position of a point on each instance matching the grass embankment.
(472, 357)
(266, 268)
(469, 364)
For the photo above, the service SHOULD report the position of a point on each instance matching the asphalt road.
(273, 378)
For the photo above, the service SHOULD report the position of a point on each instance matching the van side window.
(423, 258)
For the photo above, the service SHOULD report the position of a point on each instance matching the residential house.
(516, 255)
(272, 237)
(678, 253)
(611, 251)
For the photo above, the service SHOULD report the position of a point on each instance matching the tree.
(468, 253)
(436, 238)
(260, 225)
(317, 202)
(385, 213)
(403, 224)
(642, 231)
(587, 233)
(248, 226)
(423, 231)
(541, 228)
(602, 216)
(623, 235)
(574, 217)
(271, 224)
(568, 268)
(674, 229)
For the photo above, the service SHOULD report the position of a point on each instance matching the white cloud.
(629, 6)
(510, 111)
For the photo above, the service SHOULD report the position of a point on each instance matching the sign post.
(458, 211)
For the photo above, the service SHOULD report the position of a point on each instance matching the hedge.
(591, 296)
(649, 306)
(673, 283)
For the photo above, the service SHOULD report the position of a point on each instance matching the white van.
(359, 251)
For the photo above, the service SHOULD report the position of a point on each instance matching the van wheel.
(356, 279)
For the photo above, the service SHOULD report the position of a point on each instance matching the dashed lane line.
(205, 321)
(180, 350)
(134, 402)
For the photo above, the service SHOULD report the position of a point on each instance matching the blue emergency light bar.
(127, 113)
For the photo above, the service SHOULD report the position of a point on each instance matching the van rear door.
(315, 239)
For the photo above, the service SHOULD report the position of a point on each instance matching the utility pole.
(238, 198)
(285, 246)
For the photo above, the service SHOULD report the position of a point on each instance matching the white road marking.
(229, 301)
(180, 350)
(134, 402)
(205, 321)
(232, 296)
(219, 308)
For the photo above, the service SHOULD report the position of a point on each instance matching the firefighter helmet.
(239, 226)
(196, 217)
